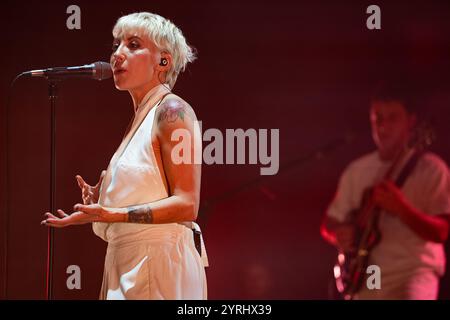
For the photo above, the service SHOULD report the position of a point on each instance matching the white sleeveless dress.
(146, 261)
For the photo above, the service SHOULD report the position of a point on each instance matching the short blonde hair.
(166, 36)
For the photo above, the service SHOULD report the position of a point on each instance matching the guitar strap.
(408, 168)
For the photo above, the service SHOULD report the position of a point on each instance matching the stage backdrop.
(303, 67)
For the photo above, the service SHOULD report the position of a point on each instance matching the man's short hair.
(399, 91)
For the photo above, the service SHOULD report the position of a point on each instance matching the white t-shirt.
(427, 188)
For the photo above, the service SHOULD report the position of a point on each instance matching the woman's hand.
(83, 214)
(90, 194)
(65, 220)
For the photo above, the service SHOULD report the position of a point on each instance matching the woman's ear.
(165, 62)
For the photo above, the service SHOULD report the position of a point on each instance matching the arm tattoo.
(171, 111)
(140, 215)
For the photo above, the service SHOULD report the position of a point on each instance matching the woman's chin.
(120, 87)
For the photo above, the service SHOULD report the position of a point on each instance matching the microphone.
(98, 70)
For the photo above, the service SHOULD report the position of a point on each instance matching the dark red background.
(304, 67)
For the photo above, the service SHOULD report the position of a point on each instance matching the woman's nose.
(118, 56)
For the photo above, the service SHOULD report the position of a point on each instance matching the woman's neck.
(139, 93)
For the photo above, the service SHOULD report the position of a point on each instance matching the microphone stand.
(99, 71)
(53, 94)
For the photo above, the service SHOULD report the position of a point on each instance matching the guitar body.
(350, 267)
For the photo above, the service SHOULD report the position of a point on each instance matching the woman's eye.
(115, 46)
(134, 44)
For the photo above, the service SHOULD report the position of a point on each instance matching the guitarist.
(414, 220)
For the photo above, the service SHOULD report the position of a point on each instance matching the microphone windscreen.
(102, 70)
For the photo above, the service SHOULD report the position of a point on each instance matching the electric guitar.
(350, 268)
